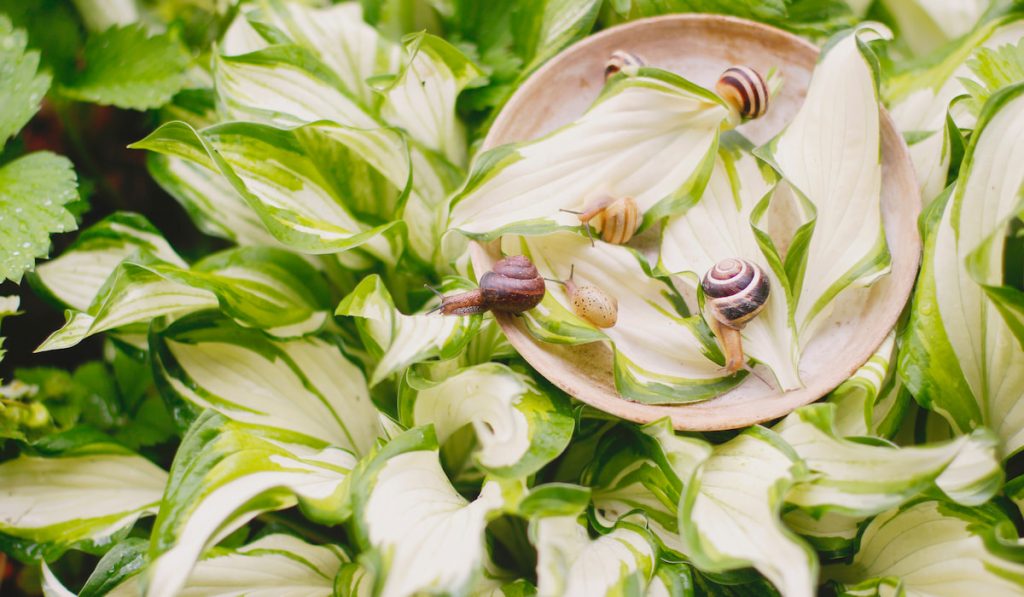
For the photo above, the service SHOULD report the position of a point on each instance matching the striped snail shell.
(735, 291)
(619, 60)
(745, 90)
(616, 220)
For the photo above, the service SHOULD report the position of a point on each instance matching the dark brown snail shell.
(514, 285)
(745, 89)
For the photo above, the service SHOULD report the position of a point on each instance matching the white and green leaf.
(305, 387)
(651, 137)
(830, 153)
(872, 401)
(519, 426)
(84, 495)
(396, 340)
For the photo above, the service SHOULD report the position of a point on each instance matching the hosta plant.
(272, 406)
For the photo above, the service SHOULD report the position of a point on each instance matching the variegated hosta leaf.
(730, 513)
(721, 225)
(961, 358)
(258, 287)
(919, 100)
(661, 357)
(651, 137)
(424, 536)
(935, 549)
(74, 278)
(643, 472)
(305, 387)
(927, 25)
(223, 475)
(421, 99)
(519, 426)
(273, 565)
(832, 533)
(80, 496)
(861, 479)
(830, 153)
(569, 562)
(337, 34)
(397, 340)
(291, 179)
(873, 401)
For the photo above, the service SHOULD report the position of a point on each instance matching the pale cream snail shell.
(620, 60)
(745, 90)
(735, 291)
(616, 220)
(590, 302)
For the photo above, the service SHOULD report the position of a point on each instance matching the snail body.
(735, 291)
(592, 304)
(513, 286)
(745, 90)
(620, 60)
(616, 220)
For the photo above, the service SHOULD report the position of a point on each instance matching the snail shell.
(736, 291)
(514, 285)
(745, 90)
(618, 222)
(619, 60)
(593, 304)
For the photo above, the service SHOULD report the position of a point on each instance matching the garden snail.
(591, 303)
(619, 60)
(735, 291)
(745, 90)
(615, 219)
(514, 285)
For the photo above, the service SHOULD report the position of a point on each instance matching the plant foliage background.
(216, 224)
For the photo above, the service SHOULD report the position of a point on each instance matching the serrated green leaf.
(128, 68)
(33, 192)
(23, 87)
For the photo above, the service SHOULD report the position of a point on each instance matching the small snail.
(745, 90)
(590, 302)
(735, 291)
(513, 286)
(619, 60)
(615, 219)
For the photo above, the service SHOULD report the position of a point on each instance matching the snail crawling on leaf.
(514, 285)
(616, 220)
(620, 60)
(590, 302)
(745, 90)
(735, 291)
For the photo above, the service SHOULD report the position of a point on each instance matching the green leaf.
(78, 498)
(961, 357)
(519, 426)
(396, 340)
(23, 88)
(223, 475)
(660, 356)
(264, 288)
(8, 307)
(925, 26)
(830, 154)
(34, 190)
(202, 361)
(670, 125)
(932, 548)
(730, 513)
(722, 225)
(73, 279)
(994, 69)
(872, 401)
(424, 536)
(127, 68)
(544, 27)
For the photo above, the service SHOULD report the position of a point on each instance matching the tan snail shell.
(514, 285)
(619, 60)
(745, 90)
(592, 304)
(735, 291)
(616, 220)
